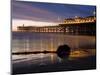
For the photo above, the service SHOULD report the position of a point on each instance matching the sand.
(86, 60)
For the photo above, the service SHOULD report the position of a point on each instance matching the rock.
(63, 51)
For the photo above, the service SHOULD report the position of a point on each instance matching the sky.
(44, 14)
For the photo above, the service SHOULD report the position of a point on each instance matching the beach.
(36, 52)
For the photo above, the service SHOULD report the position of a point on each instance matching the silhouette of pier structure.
(75, 25)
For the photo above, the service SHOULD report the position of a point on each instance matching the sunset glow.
(45, 14)
(17, 22)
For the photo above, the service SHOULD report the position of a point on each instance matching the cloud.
(27, 11)
(31, 13)
(48, 12)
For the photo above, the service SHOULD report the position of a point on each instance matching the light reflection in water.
(25, 42)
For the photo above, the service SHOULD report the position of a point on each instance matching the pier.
(75, 25)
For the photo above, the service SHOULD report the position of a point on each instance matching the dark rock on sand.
(63, 51)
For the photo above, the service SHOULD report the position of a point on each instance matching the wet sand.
(83, 62)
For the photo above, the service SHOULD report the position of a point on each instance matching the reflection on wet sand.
(33, 50)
